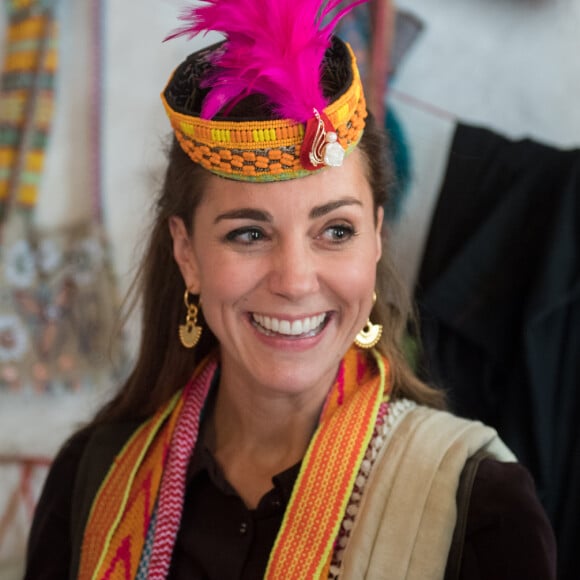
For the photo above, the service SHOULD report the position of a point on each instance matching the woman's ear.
(184, 254)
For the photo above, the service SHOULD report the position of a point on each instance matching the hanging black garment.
(499, 299)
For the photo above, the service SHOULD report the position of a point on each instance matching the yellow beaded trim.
(265, 150)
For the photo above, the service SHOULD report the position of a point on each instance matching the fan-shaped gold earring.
(370, 334)
(190, 333)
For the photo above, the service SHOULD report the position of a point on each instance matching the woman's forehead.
(348, 181)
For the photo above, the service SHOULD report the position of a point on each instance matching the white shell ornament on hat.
(325, 146)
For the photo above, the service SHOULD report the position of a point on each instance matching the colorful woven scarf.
(136, 514)
(26, 98)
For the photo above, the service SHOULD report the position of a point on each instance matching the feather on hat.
(273, 47)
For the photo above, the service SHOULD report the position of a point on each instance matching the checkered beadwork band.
(267, 150)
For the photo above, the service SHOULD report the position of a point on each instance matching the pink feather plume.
(273, 47)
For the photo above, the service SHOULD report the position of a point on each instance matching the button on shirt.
(228, 540)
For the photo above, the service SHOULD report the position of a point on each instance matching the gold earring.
(189, 333)
(370, 333)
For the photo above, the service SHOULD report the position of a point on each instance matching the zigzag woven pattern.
(26, 98)
(124, 503)
(122, 512)
(173, 485)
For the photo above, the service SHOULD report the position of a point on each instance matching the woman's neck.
(255, 436)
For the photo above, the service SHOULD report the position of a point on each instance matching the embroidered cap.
(205, 104)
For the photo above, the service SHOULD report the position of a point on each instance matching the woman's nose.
(294, 271)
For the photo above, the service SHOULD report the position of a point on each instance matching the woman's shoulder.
(93, 444)
(72, 481)
(92, 437)
(507, 533)
(60, 481)
(49, 540)
(504, 494)
(430, 432)
(101, 445)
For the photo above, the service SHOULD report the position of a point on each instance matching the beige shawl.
(407, 515)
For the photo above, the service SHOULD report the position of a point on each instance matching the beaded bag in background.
(58, 311)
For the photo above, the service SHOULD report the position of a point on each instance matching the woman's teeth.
(311, 324)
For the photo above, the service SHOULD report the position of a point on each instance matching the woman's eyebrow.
(321, 210)
(263, 216)
(244, 213)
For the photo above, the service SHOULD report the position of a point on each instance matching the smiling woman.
(261, 433)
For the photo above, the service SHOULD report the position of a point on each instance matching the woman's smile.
(296, 328)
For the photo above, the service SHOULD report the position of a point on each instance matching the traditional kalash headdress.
(276, 52)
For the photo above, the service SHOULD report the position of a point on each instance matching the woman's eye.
(339, 233)
(245, 235)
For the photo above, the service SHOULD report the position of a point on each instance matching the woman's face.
(286, 273)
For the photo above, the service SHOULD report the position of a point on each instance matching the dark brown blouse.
(508, 535)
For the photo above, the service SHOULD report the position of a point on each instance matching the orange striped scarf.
(116, 542)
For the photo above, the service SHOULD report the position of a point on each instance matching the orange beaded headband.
(270, 149)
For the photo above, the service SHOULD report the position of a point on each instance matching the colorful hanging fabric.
(26, 99)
